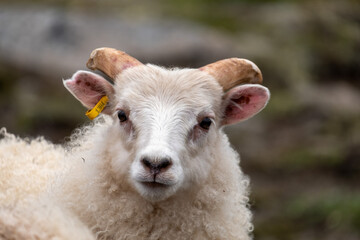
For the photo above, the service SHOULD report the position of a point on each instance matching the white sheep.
(157, 165)
(41, 220)
(27, 167)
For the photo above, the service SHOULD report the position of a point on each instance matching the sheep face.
(165, 120)
(166, 123)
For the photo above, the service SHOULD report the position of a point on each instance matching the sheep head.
(166, 123)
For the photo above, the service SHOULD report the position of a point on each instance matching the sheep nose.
(156, 166)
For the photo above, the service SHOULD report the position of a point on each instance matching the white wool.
(27, 169)
(31, 164)
(41, 220)
(108, 204)
(92, 183)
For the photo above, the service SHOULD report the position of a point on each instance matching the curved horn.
(233, 71)
(110, 61)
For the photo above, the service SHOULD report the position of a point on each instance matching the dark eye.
(122, 116)
(205, 123)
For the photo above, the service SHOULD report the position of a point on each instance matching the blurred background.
(302, 152)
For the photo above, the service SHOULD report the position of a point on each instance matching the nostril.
(165, 162)
(147, 163)
(157, 165)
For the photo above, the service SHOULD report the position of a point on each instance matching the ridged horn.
(234, 71)
(110, 61)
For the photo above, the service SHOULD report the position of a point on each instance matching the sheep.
(27, 167)
(20, 161)
(41, 220)
(157, 164)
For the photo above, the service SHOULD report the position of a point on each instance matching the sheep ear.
(243, 102)
(89, 88)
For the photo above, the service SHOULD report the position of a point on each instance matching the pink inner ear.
(244, 102)
(87, 87)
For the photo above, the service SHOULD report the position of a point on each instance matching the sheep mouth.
(155, 185)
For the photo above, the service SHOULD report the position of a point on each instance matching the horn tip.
(90, 64)
(93, 55)
(258, 79)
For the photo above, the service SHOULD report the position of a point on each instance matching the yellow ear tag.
(93, 113)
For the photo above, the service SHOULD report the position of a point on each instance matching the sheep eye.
(122, 116)
(205, 123)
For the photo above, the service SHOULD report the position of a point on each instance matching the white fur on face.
(164, 109)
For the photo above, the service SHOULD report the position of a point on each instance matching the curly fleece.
(85, 187)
